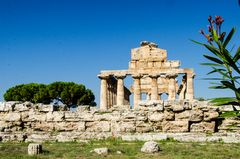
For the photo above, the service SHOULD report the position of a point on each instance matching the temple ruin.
(152, 75)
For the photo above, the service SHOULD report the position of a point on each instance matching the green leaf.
(223, 100)
(214, 50)
(215, 70)
(229, 114)
(230, 61)
(197, 42)
(215, 36)
(225, 75)
(237, 55)
(211, 64)
(229, 85)
(213, 59)
(217, 87)
(229, 37)
(211, 78)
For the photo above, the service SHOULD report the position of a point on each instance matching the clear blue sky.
(72, 40)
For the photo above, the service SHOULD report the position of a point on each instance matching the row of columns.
(103, 90)
(137, 89)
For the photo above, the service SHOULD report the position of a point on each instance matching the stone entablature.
(152, 75)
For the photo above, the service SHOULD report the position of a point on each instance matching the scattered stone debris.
(119, 152)
(101, 151)
(34, 149)
(150, 147)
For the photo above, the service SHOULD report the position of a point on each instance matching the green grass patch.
(130, 150)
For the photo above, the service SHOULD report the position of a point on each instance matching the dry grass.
(130, 150)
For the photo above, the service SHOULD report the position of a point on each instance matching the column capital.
(136, 76)
(102, 76)
(191, 75)
(120, 76)
(154, 75)
(171, 75)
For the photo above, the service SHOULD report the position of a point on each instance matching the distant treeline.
(68, 93)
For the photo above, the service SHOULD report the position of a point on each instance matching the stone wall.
(38, 122)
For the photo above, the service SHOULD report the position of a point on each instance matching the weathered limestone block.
(118, 108)
(14, 127)
(102, 117)
(7, 106)
(211, 115)
(101, 151)
(128, 116)
(200, 104)
(203, 127)
(142, 127)
(115, 116)
(144, 136)
(226, 108)
(157, 126)
(62, 107)
(45, 108)
(65, 137)
(168, 104)
(98, 126)
(14, 136)
(150, 103)
(185, 115)
(210, 108)
(156, 117)
(177, 108)
(20, 107)
(43, 126)
(186, 105)
(4, 125)
(230, 125)
(33, 115)
(69, 126)
(150, 147)
(168, 115)
(13, 117)
(10, 126)
(78, 116)
(175, 126)
(154, 105)
(123, 126)
(34, 149)
(72, 116)
(2, 116)
(196, 116)
(86, 116)
(55, 116)
(83, 108)
(39, 137)
(141, 116)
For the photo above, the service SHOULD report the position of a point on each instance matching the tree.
(68, 92)
(23, 92)
(224, 64)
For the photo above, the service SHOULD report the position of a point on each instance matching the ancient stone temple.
(152, 75)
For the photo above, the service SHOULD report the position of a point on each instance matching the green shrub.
(68, 92)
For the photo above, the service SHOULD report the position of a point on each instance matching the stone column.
(154, 87)
(120, 89)
(148, 96)
(183, 89)
(190, 87)
(103, 92)
(136, 90)
(172, 86)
